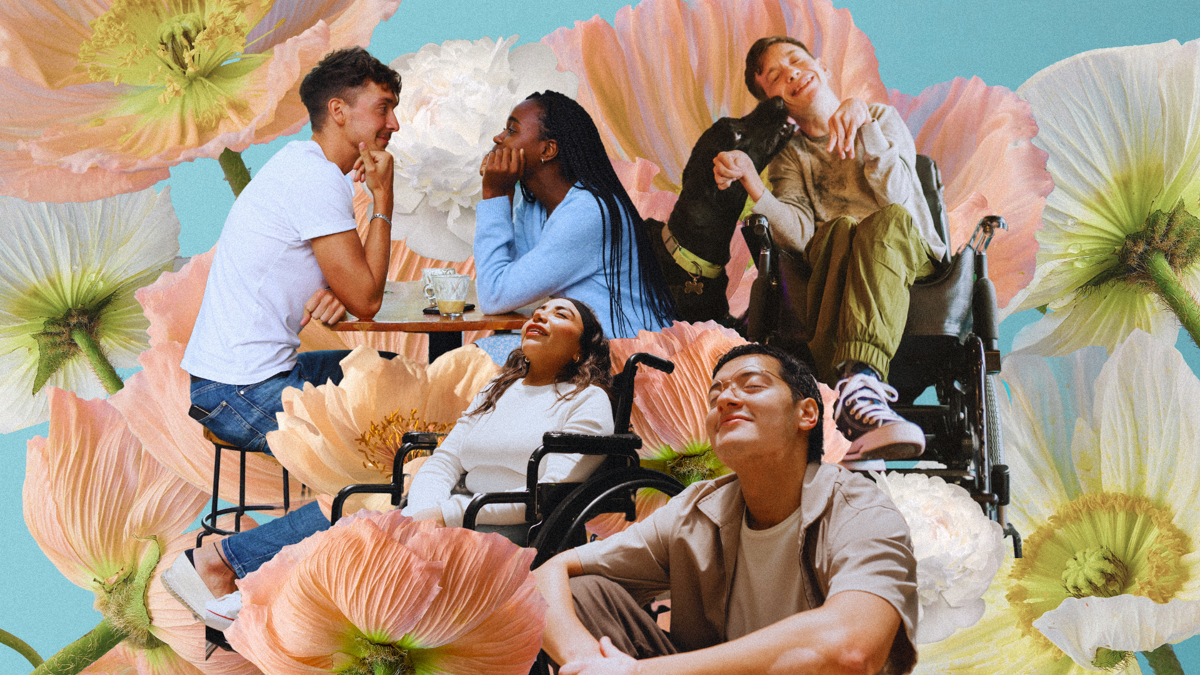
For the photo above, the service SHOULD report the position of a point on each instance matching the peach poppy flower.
(652, 98)
(133, 87)
(334, 435)
(107, 515)
(981, 137)
(384, 593)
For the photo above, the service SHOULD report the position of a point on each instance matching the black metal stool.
(208, 522)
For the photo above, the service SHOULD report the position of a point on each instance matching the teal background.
(918, 43)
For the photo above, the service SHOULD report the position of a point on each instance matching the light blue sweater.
(521, 256)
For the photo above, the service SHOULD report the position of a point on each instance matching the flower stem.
(104, 370)
(21, 647)
(236, 173)
(83, 652)
(1163, 661)
(1174, 294)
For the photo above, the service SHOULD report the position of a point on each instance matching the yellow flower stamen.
(1095, 571)
(186, 54)
(1101, 544)
(379, 443)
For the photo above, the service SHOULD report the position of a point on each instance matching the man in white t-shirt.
(788, 565)
(290, 253)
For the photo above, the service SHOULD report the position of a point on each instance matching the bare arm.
(357, 271)
(565, 638)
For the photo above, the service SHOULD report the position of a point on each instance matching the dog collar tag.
(696, 287)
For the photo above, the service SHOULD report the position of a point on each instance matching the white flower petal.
(539, 68)
(1123, 623)
(958, 550)
(456, 98)
(1179, 82)
(939, 620)
(58, 257)
(1102, 318)
(1158, 429)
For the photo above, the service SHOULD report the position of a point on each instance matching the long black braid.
(584, 162)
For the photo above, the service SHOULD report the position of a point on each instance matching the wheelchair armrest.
(410, 441)
(368, 488)
(484, 498)
(588, 444)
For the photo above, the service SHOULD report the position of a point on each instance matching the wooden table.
(402, 310)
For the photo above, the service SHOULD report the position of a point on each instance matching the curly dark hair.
(799, 379)
(754, 60)
(338, 75)
(593, 367)
(583, 161)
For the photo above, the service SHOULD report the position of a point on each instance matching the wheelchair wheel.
(564, 528)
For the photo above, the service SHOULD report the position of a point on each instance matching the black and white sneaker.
(874, 430)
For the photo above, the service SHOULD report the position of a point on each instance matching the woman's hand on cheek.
(501, 170)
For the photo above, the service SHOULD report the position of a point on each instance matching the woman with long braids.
(574, 231)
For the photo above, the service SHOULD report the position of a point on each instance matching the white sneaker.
(874, 430)
(222, 612)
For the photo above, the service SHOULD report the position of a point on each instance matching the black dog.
(705, 218)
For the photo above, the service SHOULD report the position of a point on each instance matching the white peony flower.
(958, 550)
(455, 97)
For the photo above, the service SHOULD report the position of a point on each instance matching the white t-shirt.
(768, 567)
(493, 449)
(264, 270)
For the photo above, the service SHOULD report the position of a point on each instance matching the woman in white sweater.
(556, 381)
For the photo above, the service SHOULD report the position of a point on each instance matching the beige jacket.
(690, 547)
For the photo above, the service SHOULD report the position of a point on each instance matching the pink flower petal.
(482, 571)
(172, 303)
(93, 498)
(637, 178)
(980, 136)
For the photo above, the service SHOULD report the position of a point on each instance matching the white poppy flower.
(75, 265)
(1105, 465)
(1121, 127)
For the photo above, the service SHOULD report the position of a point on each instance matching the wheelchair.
(950, 343)
(556, 512)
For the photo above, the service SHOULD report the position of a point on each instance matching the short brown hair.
(337, 75)
(754, 60)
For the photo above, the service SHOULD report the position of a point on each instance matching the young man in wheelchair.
(847, 208)
(787, 565)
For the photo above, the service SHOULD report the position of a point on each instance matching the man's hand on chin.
(612, 661)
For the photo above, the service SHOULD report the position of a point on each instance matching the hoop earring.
(526, 358)
(576, 359)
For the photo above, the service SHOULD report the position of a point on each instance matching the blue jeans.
(247, 551)
(244, 414)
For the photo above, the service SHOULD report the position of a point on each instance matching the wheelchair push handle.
(656, 362)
